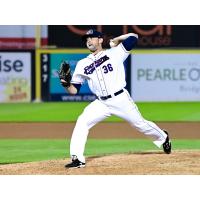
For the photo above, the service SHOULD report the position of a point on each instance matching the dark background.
(150, 36)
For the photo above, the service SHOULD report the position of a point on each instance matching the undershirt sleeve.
(130, 43)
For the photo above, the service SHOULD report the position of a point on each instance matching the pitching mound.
(179, 162)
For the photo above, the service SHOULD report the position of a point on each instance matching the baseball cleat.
(75, 163)
(167, 146)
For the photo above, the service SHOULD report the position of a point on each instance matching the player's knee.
(82, 120)
(86, 121)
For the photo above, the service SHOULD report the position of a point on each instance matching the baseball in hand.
(112, 44)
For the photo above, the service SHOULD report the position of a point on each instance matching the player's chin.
(92, 48)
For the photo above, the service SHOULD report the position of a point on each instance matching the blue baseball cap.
(92, 33)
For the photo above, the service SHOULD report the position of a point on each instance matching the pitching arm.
(128, 40)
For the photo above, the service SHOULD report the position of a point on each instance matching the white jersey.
(106, 78)
(104, 71)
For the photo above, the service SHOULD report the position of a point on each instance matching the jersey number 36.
(107, 68)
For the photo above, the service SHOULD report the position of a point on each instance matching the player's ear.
(101, 40)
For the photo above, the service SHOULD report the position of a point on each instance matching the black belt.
(109, 96)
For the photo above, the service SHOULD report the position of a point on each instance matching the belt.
(110, 96)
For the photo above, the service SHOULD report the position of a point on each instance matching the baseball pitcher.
(105, 74)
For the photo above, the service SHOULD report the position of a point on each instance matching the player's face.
(93, 43)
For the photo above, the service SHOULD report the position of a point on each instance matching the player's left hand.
(65, 74)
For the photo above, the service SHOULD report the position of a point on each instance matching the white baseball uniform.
(106, 78)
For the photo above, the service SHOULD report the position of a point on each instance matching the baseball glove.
(65, 74)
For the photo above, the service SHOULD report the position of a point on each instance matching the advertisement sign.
(150, 36)
(52, 90)
(15, 76)
(166, 76)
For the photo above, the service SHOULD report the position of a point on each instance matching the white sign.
(15, 77)
(165, 77)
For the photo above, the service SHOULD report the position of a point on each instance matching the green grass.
(63, 112)
(36, 112)
(15, 150)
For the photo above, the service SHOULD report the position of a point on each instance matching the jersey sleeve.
(120, 52)
(77, 77)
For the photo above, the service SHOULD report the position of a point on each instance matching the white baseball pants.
(121, 106)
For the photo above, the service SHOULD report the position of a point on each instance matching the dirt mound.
(103, 130)
(179, 162)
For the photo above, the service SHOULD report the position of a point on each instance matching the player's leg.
(130, 113)
(92, 114)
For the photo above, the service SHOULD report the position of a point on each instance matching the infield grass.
(28, 150)
(69, 112)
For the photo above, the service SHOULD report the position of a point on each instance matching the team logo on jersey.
(101, 60)
(90, 69)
